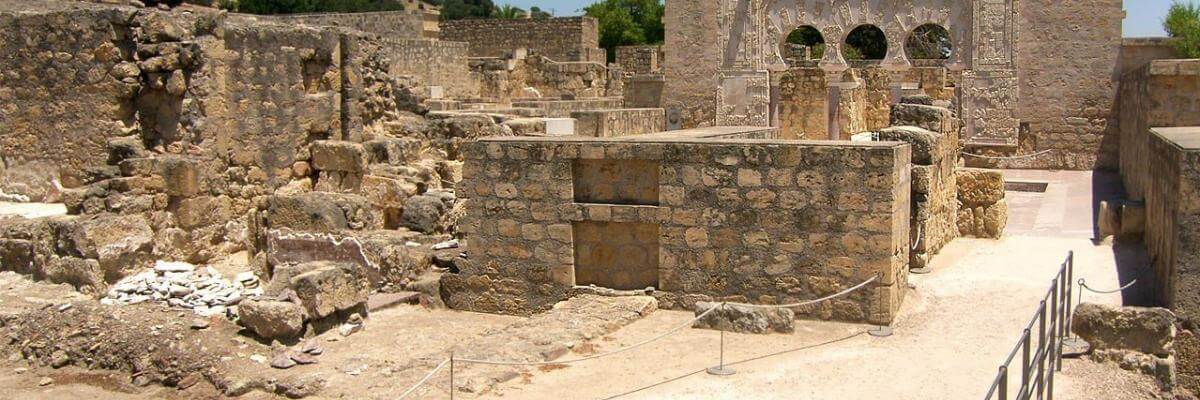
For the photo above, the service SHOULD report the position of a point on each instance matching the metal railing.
(1040, 360)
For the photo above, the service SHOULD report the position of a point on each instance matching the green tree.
(627, 22)
(865, 42)
(538, 13)
(928, 42)
(508, 11)
(1183, 25)
(810, 37)
(462, 9)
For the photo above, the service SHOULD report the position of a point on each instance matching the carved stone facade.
(750, 34)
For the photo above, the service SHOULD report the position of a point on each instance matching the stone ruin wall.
(743, 220)
(560, 39)
(640, 59)
(619, 122)
(1158, 167)
(433, 63)
(389, 24)
(177, 125)
(1055, 78)
(504, 79)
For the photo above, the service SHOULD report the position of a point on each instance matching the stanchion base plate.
(1073, 347)
(880, 331)
(721, 371)
(921, 271)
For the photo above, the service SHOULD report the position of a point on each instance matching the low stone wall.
(619, 122)
(564, 108)
(433, 63)
(1162, 93)
(389, 24)
(1172, 196)
(640, 59)
(560, 39)
(744, 220)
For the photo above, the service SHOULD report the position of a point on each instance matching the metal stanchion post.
(451, 375)
(720, 369)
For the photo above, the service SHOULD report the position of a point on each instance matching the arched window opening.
(804, 46)
(929, 42)
(865, 42)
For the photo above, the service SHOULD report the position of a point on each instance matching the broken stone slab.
(932, 118)
(924, 142)
(330, 287)
(335, 155)
(122, 243)
(1145, 330)
(979, 186)
(744, 319)
(271, 319)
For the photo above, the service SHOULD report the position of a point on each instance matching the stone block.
(271, 319)
(122, 243)
(924, 142)
(744, 319)
(330, 287)
(425, 213)
(1145, 330)
(321, 212)
(181, 176)
(17, 255)
(936, 119)
(1133, 220)
(393, 151)
(203, 211)
(333, 155)
(979, 186)
(83, 274)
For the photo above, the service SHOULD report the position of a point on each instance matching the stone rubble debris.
(183, 285)
(450, 244)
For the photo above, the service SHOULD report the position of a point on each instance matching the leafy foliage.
(627, 22)
(809, 37)
(1183, 24)
(538, 13)
(462, 9)
(929, 42)
(865, 42)
(509, 12)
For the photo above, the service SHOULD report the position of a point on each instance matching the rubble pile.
(183, 285)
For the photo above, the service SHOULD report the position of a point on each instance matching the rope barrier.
(920, 234)
(669, 332)
(425, 379)
(595, 356)
(811, 302)
(1083, 284)
(1032, 155)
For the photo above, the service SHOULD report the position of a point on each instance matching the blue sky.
(1144, 19)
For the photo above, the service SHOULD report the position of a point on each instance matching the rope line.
(425, 379)
(1032, 155)
(594, 356)
(1083, 284)
(811, 302)
(669, 332)
(920, 234)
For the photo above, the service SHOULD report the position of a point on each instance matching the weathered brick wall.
(560, 39)
(640, 59)
(433, 63)
(744, 220)
(389, 24)
(1067, 57)
(1172, 233)
(64, 91)
(619, 122)
(1163, 93)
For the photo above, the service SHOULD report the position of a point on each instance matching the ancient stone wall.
(504, 79)
(389, 24)
(619, 122)
(745, 220)
(560, 39)
(1068, 61)
(1163, 93)
(433, 63)
(691, 61)
(1172, 234)
(643, 91)
(1138, 52)
(640, 59)
(68, 85)
(563, 108)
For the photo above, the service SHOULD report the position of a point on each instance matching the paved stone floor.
(955, 328)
